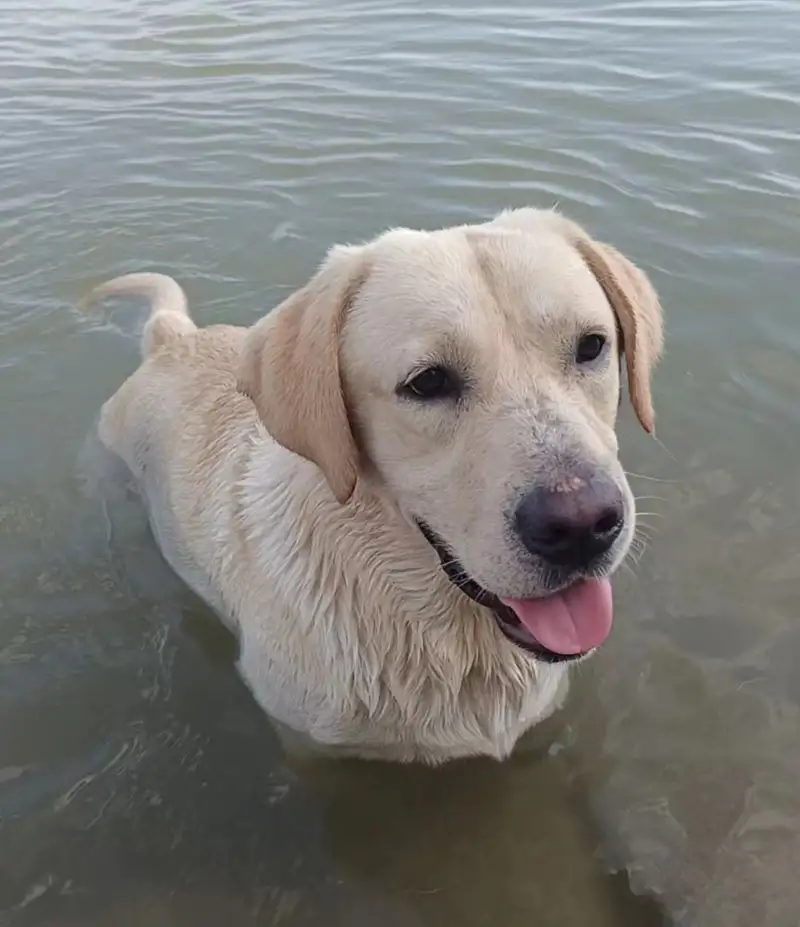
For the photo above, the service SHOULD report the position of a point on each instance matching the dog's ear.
(628, 290)
(638, 311)
(290, 369)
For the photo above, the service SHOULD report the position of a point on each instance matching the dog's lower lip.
(508, 623)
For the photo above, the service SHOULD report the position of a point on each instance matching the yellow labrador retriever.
(401, 488)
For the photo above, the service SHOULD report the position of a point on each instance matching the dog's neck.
(361, 594)
(368, 550)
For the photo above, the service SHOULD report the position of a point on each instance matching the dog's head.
(473, 374)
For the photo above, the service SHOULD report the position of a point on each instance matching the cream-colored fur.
(283, 474)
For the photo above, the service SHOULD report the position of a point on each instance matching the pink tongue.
(569, 622)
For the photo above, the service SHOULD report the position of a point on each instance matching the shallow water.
(228, 143)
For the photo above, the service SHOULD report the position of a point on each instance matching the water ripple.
(229, 142)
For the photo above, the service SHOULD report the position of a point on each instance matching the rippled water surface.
(229, 142)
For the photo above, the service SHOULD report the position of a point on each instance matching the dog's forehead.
(479, 275)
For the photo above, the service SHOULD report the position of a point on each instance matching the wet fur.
(280, 505)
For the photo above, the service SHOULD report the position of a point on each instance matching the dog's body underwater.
(401, 487)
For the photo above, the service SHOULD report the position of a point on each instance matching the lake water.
(228, 143)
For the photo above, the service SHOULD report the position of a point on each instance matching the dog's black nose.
(573, 523)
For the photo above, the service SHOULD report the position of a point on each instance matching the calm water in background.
(228, 143)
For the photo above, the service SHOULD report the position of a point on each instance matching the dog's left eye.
(431, 383)
(589, 347)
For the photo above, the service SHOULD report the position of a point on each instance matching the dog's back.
(175, 423)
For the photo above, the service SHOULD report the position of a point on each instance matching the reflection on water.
(228, 144)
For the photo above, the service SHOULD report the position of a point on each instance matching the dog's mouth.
(555, 628)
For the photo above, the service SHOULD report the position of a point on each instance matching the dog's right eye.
(431, 383)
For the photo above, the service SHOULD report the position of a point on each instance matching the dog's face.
(474, 375)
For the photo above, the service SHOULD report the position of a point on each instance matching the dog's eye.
(589, 348)
(431, 383)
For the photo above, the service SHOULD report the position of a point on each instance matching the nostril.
(557, 533)
(608, 523)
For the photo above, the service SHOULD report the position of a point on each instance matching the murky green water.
(228, 142)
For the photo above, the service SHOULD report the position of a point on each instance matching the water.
(229, 142)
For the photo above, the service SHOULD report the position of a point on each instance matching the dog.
(401, 488)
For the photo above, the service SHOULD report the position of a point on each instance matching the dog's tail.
(169, 318)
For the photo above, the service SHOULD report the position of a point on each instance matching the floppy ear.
(290, 369)
(638, 311)
(628, 290)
